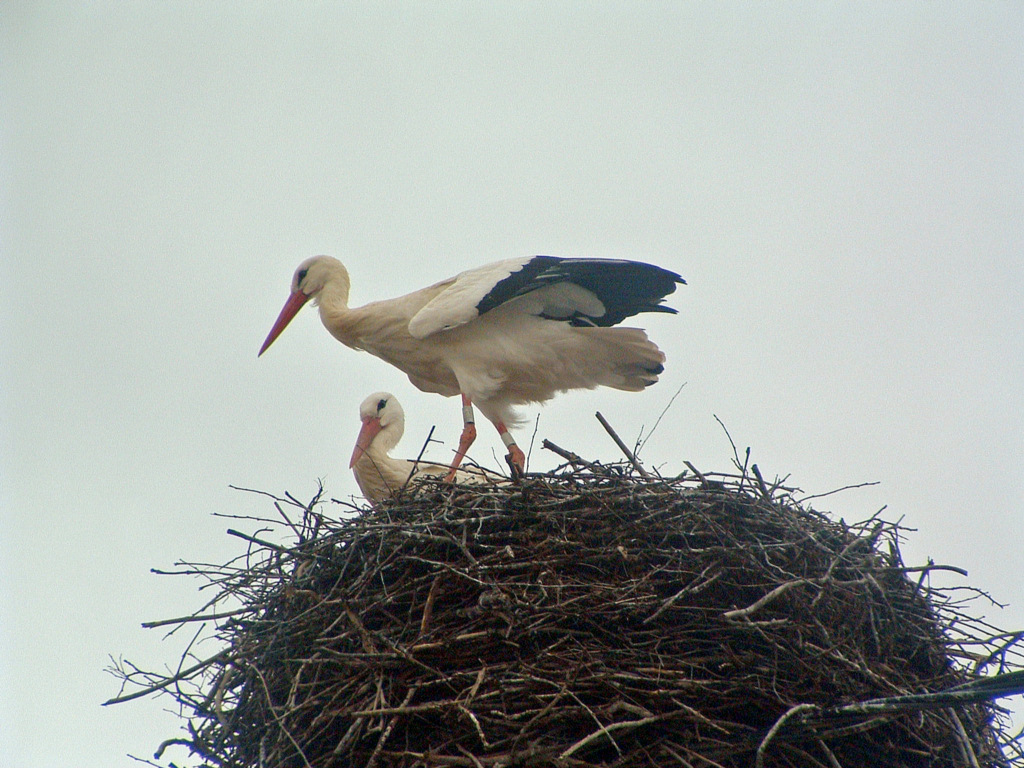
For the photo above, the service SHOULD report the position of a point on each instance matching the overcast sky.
(842, 185)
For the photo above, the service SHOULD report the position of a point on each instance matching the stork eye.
(380, 405)
(302, 275)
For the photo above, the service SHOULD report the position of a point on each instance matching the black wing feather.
(626, 288)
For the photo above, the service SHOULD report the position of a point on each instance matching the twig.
(386, 733)
(480, 731)
(692, 587)
(1012, 639)
(804, 499)
(762, 748)
(742, 613)
(286, 500)
(405, 709)
(203, 617)
(930, 567)
(279, 719)
(416, 463)
(829, 755)
(571, 457)
(760, 482)
(261, 542)
(963, 740)
(533, 439)
(735, 453)
(605, 730)
(428, 606)
(697, 472)
(169, 743)
(622, 446)
(182, 675)
(980, 689)
(660, 417)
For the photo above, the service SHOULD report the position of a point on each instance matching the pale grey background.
(841, 183)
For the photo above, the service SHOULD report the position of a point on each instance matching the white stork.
(513, 332)
(379, 476)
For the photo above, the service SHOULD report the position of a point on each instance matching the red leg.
(466, 439)
(515, 455)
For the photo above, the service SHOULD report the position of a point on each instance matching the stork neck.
(385, 440)
(377, 460)
(333, 297)
(333, 304)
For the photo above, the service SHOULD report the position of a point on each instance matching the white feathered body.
(515, 353)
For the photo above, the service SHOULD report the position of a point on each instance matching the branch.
(203, 617)
(571, 457)
(605, 730)
(742, 613)
(182, 675)
(622, 446)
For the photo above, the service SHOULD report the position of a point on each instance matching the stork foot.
(516, 461)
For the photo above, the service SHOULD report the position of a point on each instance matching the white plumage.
(379, 476)
(514, 332)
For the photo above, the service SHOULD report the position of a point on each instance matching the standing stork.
(513, 332)
(378, 474)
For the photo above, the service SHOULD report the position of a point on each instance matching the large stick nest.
(583, 618)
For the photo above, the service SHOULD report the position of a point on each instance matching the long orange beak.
(291, 309)
(369, 431)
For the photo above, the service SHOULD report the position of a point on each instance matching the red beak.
(290, 309)
(371, 427)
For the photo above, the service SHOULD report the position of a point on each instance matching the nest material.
(580, 619)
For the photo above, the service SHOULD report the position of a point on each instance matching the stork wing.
(580, 291)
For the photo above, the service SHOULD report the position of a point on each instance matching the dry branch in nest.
(586, 617)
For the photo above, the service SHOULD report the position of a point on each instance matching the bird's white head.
(310, 280)
(383, 422)
(313, 275)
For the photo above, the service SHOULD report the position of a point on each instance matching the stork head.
(309, 281)
(383, 422)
